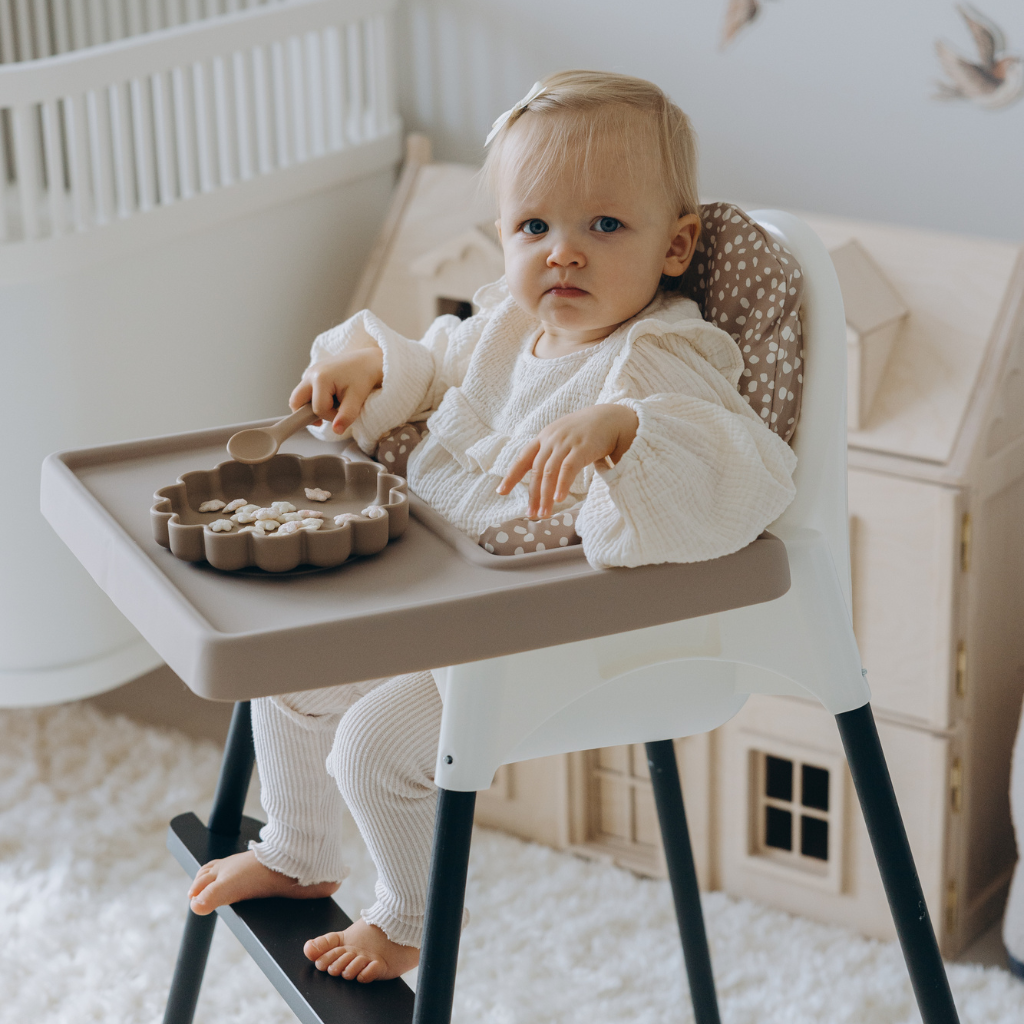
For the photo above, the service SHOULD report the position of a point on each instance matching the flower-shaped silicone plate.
(178, 525)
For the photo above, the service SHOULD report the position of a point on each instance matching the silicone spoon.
(258, 444)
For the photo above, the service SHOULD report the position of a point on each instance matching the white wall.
(819, 105)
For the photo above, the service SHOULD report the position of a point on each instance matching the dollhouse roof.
(966, 313)
(475, 243)
(868, 296)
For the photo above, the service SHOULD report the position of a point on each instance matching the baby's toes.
(321, 944)
(355, 967)
(374, 970)
(339, 965)
(204, 876)
(325, 960)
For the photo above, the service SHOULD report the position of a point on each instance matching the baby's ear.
(682, 246)
(497, 224)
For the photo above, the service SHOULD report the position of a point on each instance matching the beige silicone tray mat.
(416, 605)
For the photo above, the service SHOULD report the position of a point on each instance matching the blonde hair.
(591, 105)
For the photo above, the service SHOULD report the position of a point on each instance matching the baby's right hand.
(338, 386)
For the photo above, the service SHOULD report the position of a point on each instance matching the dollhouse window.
(454, 307)
(793, 815)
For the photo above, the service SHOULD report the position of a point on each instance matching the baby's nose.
(566, 255)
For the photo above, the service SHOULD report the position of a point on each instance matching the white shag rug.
(92, 905)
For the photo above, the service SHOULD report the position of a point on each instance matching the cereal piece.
(243, 517)
(375, 512)
(346, 517)
(308, 513)
(291, 517)
(316, 494)
(282, 506)
(266, 514)
(211, 506)
(289, 528)
(249, 529)
(221, 526)
(311, 524)
(266, 525)
(234, 506)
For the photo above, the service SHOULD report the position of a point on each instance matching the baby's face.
(585, 259)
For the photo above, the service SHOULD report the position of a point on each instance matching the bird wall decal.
(995, 80)
(738, 14)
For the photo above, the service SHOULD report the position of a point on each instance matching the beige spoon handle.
(283, 429)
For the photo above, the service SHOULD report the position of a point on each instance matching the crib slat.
(115, 20)
(41, 29)
(8, 49)
(314, 94)
(385, 90)
(121, 148)
(133, 21)
(222, 122)
(25, 48)
(296, 87)
(202, 108)
(79, 32)
(26, 167)
(154, 19)
(141, 144)
(334, 88)
(76, 130)
(243, 116)
(373, 118)
(183, 133)
(5, 230)
(261, 109)
(98, 115)
(353, 45)
(278, 73)
(61, 28)
(54, 164)
(162, 140)
(97, 22)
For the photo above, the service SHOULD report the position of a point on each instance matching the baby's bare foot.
(242, 877)
(361, 952)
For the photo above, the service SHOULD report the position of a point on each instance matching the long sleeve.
(416, 373)
(704, 476)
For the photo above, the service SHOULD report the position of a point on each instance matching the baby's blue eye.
(607, 224)
(535, 227)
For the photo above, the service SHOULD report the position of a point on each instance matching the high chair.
(550, 659)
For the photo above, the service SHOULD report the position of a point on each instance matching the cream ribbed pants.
(372, 745)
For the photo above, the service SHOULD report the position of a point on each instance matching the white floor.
(92, 907)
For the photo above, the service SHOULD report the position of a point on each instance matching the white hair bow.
(517, 109)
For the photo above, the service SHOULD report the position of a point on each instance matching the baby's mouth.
(566, 292)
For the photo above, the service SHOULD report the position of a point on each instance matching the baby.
(584, 381)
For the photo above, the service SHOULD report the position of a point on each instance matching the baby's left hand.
(563, 448)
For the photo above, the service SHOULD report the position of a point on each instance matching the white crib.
(187, 191)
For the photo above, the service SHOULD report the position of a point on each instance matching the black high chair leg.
(896, 865)
(446, 897)
(668, 797)
(225, 820)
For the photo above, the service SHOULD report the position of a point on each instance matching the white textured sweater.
(703, 477)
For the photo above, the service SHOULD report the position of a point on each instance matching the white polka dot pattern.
(521, 536)
(750, 286)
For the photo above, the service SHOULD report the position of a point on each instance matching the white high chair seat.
(692, 676)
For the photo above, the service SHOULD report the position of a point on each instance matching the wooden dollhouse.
(936, 492)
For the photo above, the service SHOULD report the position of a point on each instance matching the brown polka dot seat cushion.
(747, 284)
(751, 286)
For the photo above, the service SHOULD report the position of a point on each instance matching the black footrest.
(273, 932)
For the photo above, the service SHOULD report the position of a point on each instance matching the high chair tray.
(416, 605)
